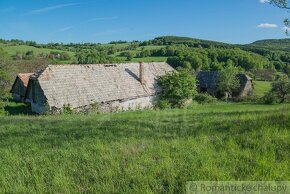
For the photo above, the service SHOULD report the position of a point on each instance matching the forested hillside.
(279, 44)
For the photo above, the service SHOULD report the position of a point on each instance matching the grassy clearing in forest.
(141, 152)
(12, 50)
(261, 88)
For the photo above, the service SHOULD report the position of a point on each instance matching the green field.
(12, 50)
(144, 152)
(152, 47)
(150, 59)
(146, 59)
(261, 87)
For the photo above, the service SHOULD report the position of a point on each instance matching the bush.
(94, 108)
(67, 110)
(204, 98)
(228, 81)
(269, 98)
(164, 104)
(6, 74)
(177, 88)
(129, 55)
(251, 97)
(28, 55)
(2, 110)
(281, 88)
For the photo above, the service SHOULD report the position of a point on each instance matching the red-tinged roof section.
(24, 77)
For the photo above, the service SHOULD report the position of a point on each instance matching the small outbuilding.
(246, 85)
(208, 82)
(107, 87)
(20, 85)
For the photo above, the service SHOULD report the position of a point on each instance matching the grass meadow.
(12, 50)
(261, 88)
(144, 152)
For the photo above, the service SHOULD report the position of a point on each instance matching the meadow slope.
(144, 152)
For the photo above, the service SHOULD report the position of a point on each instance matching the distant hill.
(171, 40)
(270, 44)
(275, 44)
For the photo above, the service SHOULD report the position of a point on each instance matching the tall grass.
(143, 152)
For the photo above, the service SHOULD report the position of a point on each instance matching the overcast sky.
(233, 21)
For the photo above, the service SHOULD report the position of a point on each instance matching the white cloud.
(51, 8)
(264, 1)
(267, 25)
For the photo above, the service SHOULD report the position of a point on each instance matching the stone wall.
(114, 106)
(119, 106)
(247, 89)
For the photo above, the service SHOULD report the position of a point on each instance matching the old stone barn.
(113, 87)
(20, 85)
(208, 82)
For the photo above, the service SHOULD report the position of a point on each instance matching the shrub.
(2, 110)
(204, 98)
(281, 88)
(28, 55)
(94, 108)
(228, 81)
(269, 98)
(164, 104)
(177, 87)
(129, 55)
(251, 97)
(67, 110)
(6, 74)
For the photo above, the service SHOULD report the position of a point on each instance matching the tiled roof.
(80, 85)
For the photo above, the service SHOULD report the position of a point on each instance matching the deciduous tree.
(281, 88)
(228, 81)
(177, 87)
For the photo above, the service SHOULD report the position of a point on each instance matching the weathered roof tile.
(80, 85)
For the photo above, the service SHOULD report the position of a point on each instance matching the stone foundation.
(114, 106)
